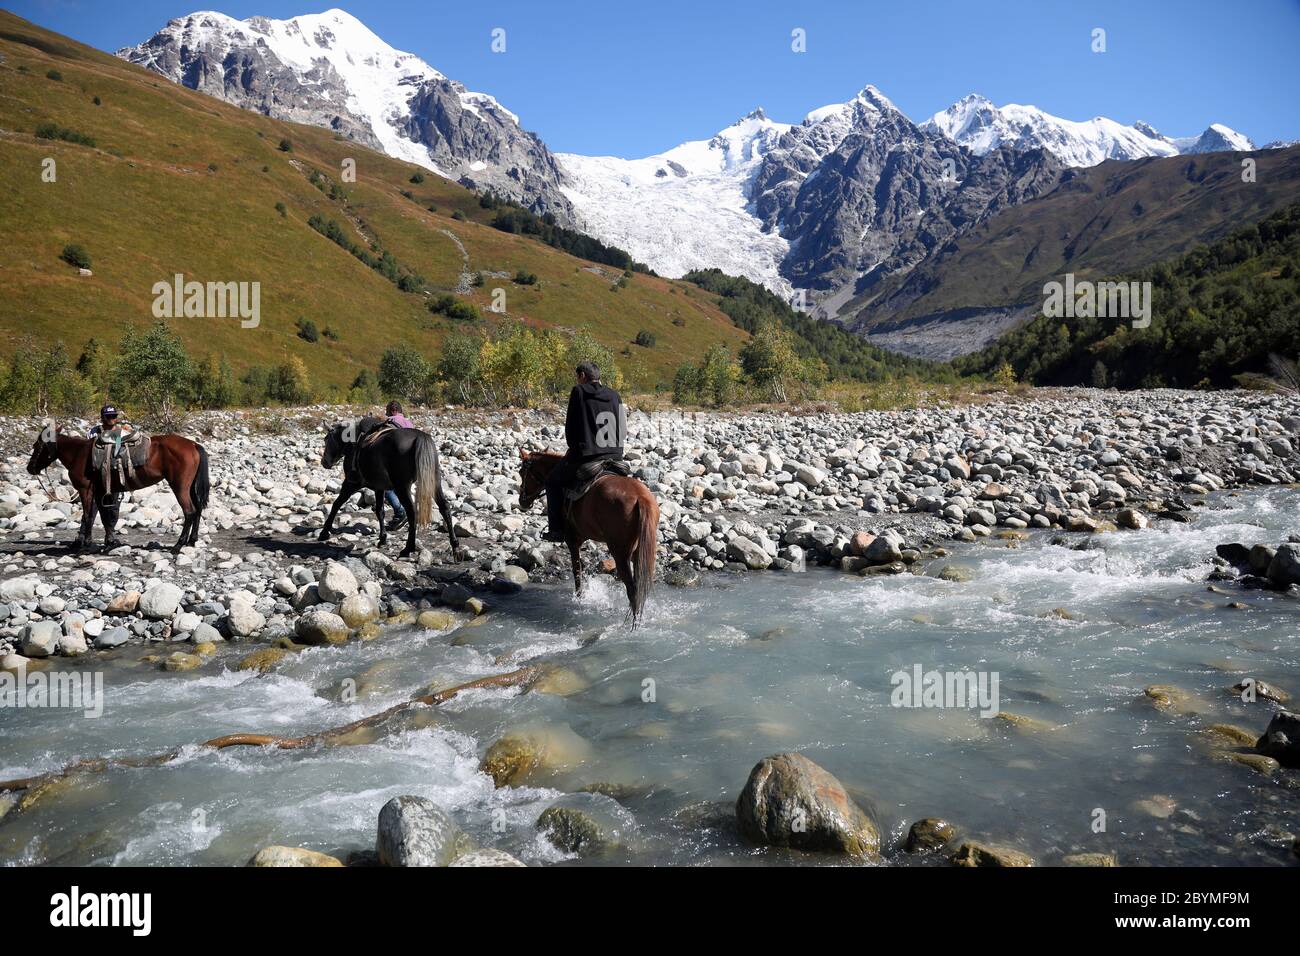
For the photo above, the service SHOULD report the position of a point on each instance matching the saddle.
(591, 472)
(372, 436)
(123, 450)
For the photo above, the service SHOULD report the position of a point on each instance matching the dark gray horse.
(392, 460)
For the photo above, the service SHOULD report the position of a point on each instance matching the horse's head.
(334, 447)
(532, 482)
(46, 450)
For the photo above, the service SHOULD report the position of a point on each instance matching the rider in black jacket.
(594, 428)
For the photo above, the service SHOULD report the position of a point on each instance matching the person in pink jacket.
(393, 411)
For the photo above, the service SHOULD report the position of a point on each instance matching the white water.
(743, 667)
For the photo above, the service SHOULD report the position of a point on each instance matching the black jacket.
(594, 424)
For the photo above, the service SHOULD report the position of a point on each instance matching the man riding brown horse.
(614, 508)
(593, 427)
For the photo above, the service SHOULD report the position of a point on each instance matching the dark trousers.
(562, 477)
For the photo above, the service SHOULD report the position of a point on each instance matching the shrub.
(286, 146)
(417, 178)
(54, 75)
(75, 254)
(307, 330)
(55, 131)
(525, 278)
(280, 208)
(458, 216)
(644, 339)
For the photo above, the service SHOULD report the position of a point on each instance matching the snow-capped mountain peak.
(329, 69)
(974, 122)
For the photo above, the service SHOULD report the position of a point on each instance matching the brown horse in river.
(617, 511)
(182, 463)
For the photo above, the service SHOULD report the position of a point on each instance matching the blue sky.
(631, 79)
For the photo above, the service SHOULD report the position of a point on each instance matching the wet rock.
(1161, 806)
(1174, 700)
(1281, 739)
(415, 831)
(358, 610)
(509, 580)
(885, 548)
(575, 831)
(1226, 735)
(262, 659)
(1131, 518)
(971, 853)
(291, 856)
(1252, 690)
(955, 573)
(682, 574)
(1284, 569)
(180, 661)
(791, 801)
(930, 833)
(318, 627)
(1089, 859)
(486, 857)
(435, 620)
(533, 754)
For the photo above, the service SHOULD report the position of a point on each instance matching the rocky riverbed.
(867, 493)
(1010, 531)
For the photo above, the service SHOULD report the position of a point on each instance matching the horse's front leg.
(345, 493)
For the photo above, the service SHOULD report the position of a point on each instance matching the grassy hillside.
(1107, 219)
(1218, 312)
(176, 181)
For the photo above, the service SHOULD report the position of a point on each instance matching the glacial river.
(670, 718)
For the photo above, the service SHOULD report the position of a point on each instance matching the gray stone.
(415, 831)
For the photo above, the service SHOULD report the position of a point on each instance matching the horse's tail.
(643, 562)
(201, 486)
(426, 479)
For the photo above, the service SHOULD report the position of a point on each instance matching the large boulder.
(1281, 739)
(337, 583)
(244, 620)
(19, 589)
(321, 627)
(748, 553)
(358, 609)
(884, 548)
(971, 853)
(41, 638)
(791, 801)
(415, 831)
(1284, 569)
(161, 601)
(533, 754)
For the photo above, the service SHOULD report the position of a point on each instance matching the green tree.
(404, 373)
(153, 370)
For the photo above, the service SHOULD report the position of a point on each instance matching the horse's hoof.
(406, 552)
(323, 536)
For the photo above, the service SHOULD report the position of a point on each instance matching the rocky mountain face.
(329, 70)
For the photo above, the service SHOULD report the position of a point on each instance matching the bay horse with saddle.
(381, 456)
(103, 467)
